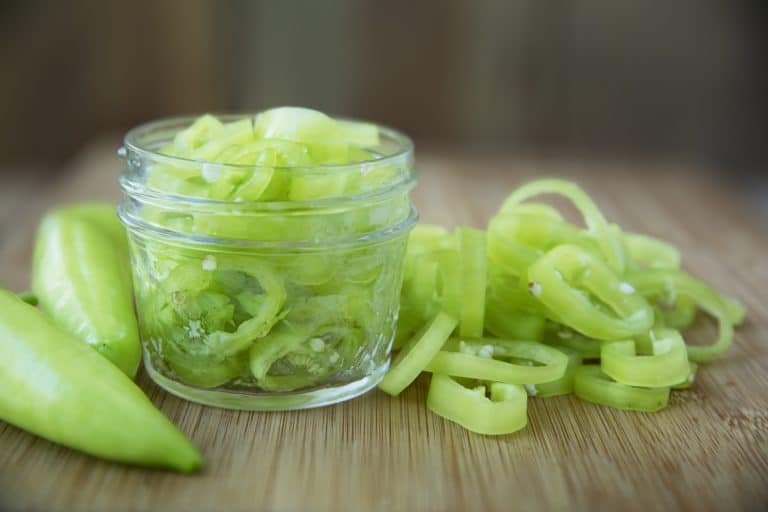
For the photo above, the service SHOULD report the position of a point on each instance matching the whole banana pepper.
(81, 277)
(55, 386)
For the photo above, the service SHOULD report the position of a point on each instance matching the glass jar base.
(265, 401)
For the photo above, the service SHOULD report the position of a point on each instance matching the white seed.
(209, 263)
(626, 288)
(316, 344)
(535, 289)
(211, 172)
(531, 389)
(486, 352)
(194, 329)
(334, 358)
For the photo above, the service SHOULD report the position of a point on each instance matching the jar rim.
(137, 225)
(133, 142)
(137, 190)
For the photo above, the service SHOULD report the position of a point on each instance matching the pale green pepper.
(665, 365)
(504, 412)
(82, 278)
(670, 282)
(619, 311)
(479, 359)
(592, 385)
(55, 386)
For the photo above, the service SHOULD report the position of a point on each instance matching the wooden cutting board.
(707, 451)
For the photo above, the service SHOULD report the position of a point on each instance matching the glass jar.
(266, 304)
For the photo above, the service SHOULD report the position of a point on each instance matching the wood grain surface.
(707, 451)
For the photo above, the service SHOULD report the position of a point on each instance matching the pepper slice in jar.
(194, 291)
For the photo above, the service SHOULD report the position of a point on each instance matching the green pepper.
(557, 334)
(417, 353)
(595, 294)
(650, 252)
(477, 359)
(82, 279)
(679, 314)
(503, 413)
(616, 312)
(666, 365)
(674, 283)
(54, 386)
(563, 385)
(597, 227)
(689, 379)
(474, 268)
(510, 323)
(592, 385)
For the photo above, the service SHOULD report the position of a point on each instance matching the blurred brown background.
(598, 78)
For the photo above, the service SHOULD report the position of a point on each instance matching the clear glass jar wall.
(288, 301)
